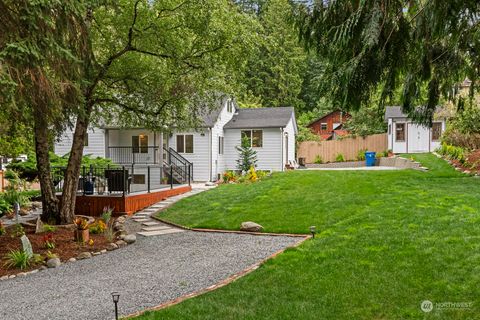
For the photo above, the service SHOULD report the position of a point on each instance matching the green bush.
(5, 207)
(318, 159)
(17, 259)
(339, 158)
(361, 154)
(452, 152)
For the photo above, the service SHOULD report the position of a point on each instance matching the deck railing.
(135, 155)
(122, 180)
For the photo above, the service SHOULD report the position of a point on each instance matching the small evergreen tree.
(247, 156)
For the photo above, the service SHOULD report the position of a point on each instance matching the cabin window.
(220, 145)
(185, 143)
(140, 143)
(436, 131)
(400, 132)
(254, 136)
(323, 126)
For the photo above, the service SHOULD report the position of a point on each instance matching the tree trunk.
(72, 174)
(50, 212)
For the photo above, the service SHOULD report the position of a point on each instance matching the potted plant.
(81, 230)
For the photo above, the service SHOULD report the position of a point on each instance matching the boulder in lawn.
(251, 227)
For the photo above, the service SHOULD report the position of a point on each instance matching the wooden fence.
(349, 148)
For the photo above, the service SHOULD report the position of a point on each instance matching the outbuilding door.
(418, 138)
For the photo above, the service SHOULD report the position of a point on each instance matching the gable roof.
(397, 112)
(277, 117)
(345, 115)
(210, 116)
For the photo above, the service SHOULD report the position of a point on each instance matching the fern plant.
(17, 259)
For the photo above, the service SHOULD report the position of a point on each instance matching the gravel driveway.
(151, 271)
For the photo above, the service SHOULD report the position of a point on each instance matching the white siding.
(201, 157)
(412, 131)
(390, 134)
(269, 156)
(96, 143)
(290, 130)
(218, 160)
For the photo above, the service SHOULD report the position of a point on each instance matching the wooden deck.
(92, 205)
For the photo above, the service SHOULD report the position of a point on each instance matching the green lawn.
(387, 241)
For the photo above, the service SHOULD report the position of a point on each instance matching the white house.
(210, 148)
(406, 136)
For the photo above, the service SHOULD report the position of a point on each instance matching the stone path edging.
(228, 280)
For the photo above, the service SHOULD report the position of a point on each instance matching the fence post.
(148, 177)
(171, 176)
(124, 180)
(189, 176)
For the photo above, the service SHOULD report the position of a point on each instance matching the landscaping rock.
(33, 271)
(3, 278)
(72, 260)
(210, 184)
(118, 226)
(42, 268)
(121, 219)
(21, 274)
(12, 276)
(130, 238)
(84, 255)
(111, 246)
(121, 243)
(96, 253)
(39, 226)
(251, 227)
(53, 263)
(103, 250)
(36, 204)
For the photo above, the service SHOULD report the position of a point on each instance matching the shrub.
(252, 174)
(98, 227)
(229, 176)
(339, 158)
(318, 159)
(247, 156)
(49, 228)
(107, 214)
(17, 259)
(5, 207)
(18, 230)
(452, 152)
(361, 154)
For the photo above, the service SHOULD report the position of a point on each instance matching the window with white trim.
(220, 145)
(255, 137)
(185, 143)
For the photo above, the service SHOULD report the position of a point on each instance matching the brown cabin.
(330, 125)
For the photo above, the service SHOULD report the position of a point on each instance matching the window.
(220, 145)
(436, 131)
(230, 106)
(185, 143)
(140, 143)
(255, 137)
(323, 126)
(400, 132)
(85, 142)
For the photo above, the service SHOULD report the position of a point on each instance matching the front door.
(418, 138)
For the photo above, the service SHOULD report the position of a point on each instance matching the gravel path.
(151, 271)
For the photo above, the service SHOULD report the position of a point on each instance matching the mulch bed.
(472, 162)
(65, 246)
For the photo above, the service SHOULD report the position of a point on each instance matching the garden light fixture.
(116, 297)
(313, 230)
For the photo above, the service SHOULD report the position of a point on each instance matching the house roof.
(261, 118)
(345, 115)
(210, 116)
(397, 112)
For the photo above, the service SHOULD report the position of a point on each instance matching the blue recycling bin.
(370, 158)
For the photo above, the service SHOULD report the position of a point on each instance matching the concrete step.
(155, 228)
(159, 232)
(151, 223)
(142, 219)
